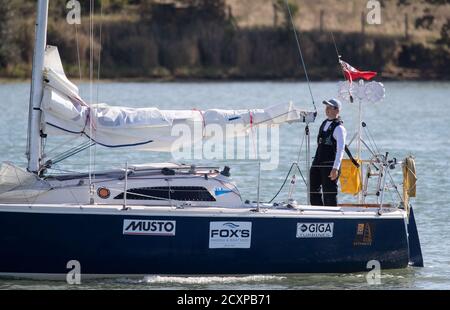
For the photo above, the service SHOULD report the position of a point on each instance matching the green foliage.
(424, 22)
(183, 11)
(114, 6)
(284, 7)
(438, 2)
(196, 39)
(445, 33)
(9, 51)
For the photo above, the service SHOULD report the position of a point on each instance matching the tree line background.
(206, 39)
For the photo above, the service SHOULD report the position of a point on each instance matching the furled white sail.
(148, 128)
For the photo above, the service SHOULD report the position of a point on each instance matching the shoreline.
(218, 80)
(5, 81)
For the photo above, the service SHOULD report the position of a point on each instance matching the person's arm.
(340, 135)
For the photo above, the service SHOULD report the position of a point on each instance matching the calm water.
(414, 119)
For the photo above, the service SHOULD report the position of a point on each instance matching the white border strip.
(206, 212)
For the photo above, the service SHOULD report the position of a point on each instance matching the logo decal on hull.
(315, 230)
(149, 228)
(230, 235)
(364, 234)
(218, 191)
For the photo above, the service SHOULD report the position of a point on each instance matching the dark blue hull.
(43, 243)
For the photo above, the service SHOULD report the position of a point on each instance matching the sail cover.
(65, 112)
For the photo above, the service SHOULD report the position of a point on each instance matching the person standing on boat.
(325, 169)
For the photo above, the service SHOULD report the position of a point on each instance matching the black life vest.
(326, 143)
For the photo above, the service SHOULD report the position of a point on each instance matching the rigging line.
(68, 152)
(372, 147)
(78, 51)
(65, 156)
(392, 196)
(64, 171)
(369, 147)
(139, 178)
(301, 174)
(100, 48)
(338, 54)
(284, 183)
(388, 187)
(91, 78)
(74, 197)
(335, 45)
(274, 117)
(301, 54)
(285, 180)
(71, 139)
(342, 69)
(298, 158)
(72, 152)
(102, 144)
(252, 134)
(371, 138)
(394, 185)
(301, 146)
(98, 73)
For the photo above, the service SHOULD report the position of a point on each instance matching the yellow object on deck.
(409, 180)
(350, 177)
(409, 177)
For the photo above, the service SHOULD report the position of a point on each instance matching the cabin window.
(182, 193)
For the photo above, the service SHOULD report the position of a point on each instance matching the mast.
(34, 145)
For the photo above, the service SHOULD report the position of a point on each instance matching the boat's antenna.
(301, 54)
(339, 62)
(335, 45)
(337, 53)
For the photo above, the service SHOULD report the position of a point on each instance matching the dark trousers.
(322, 186)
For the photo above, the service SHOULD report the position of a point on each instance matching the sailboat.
(171, 218)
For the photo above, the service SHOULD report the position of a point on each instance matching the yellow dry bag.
(350, 177)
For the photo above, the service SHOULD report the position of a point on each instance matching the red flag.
(354, 74)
